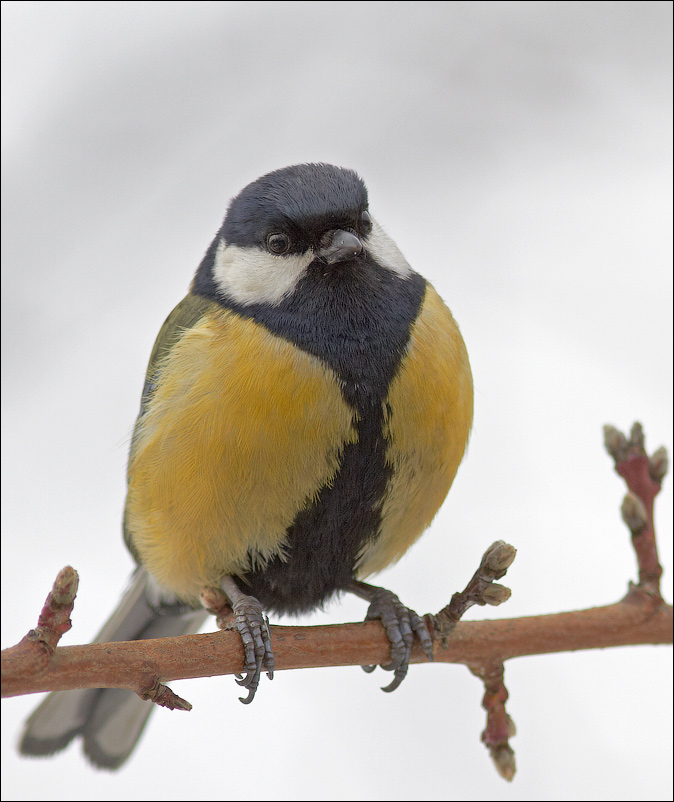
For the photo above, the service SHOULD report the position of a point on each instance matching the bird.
(304, 413)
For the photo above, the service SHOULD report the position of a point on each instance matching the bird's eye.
(365, 222)
(278, 243)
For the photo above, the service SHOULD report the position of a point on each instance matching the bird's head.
(285, 223)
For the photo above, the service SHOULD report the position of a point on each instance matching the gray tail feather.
(111, 720)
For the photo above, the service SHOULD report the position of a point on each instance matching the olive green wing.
(190, 310)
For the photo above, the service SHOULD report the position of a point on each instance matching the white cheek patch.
(385, 252)
(253, 276)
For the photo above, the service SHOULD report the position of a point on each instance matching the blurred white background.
(519, 154)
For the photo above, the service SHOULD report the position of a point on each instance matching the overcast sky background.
(519, 154)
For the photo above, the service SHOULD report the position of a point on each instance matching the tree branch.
(136, 665)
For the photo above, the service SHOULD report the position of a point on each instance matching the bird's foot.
(253, 626)
(400, 624)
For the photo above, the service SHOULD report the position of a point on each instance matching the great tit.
(305, 410)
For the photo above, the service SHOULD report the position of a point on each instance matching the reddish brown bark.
(137, 665)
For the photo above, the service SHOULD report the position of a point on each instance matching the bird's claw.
(253, 627)
(400, 624)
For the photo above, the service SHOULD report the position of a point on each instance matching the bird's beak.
(343, 246)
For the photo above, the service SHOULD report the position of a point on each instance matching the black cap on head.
(302, 195)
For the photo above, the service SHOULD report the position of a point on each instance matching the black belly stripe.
(357, 319)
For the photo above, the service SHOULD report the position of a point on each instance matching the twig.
(481, 589)
(500, 727)
(34, 651)
(643, 476)
(163, 696)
